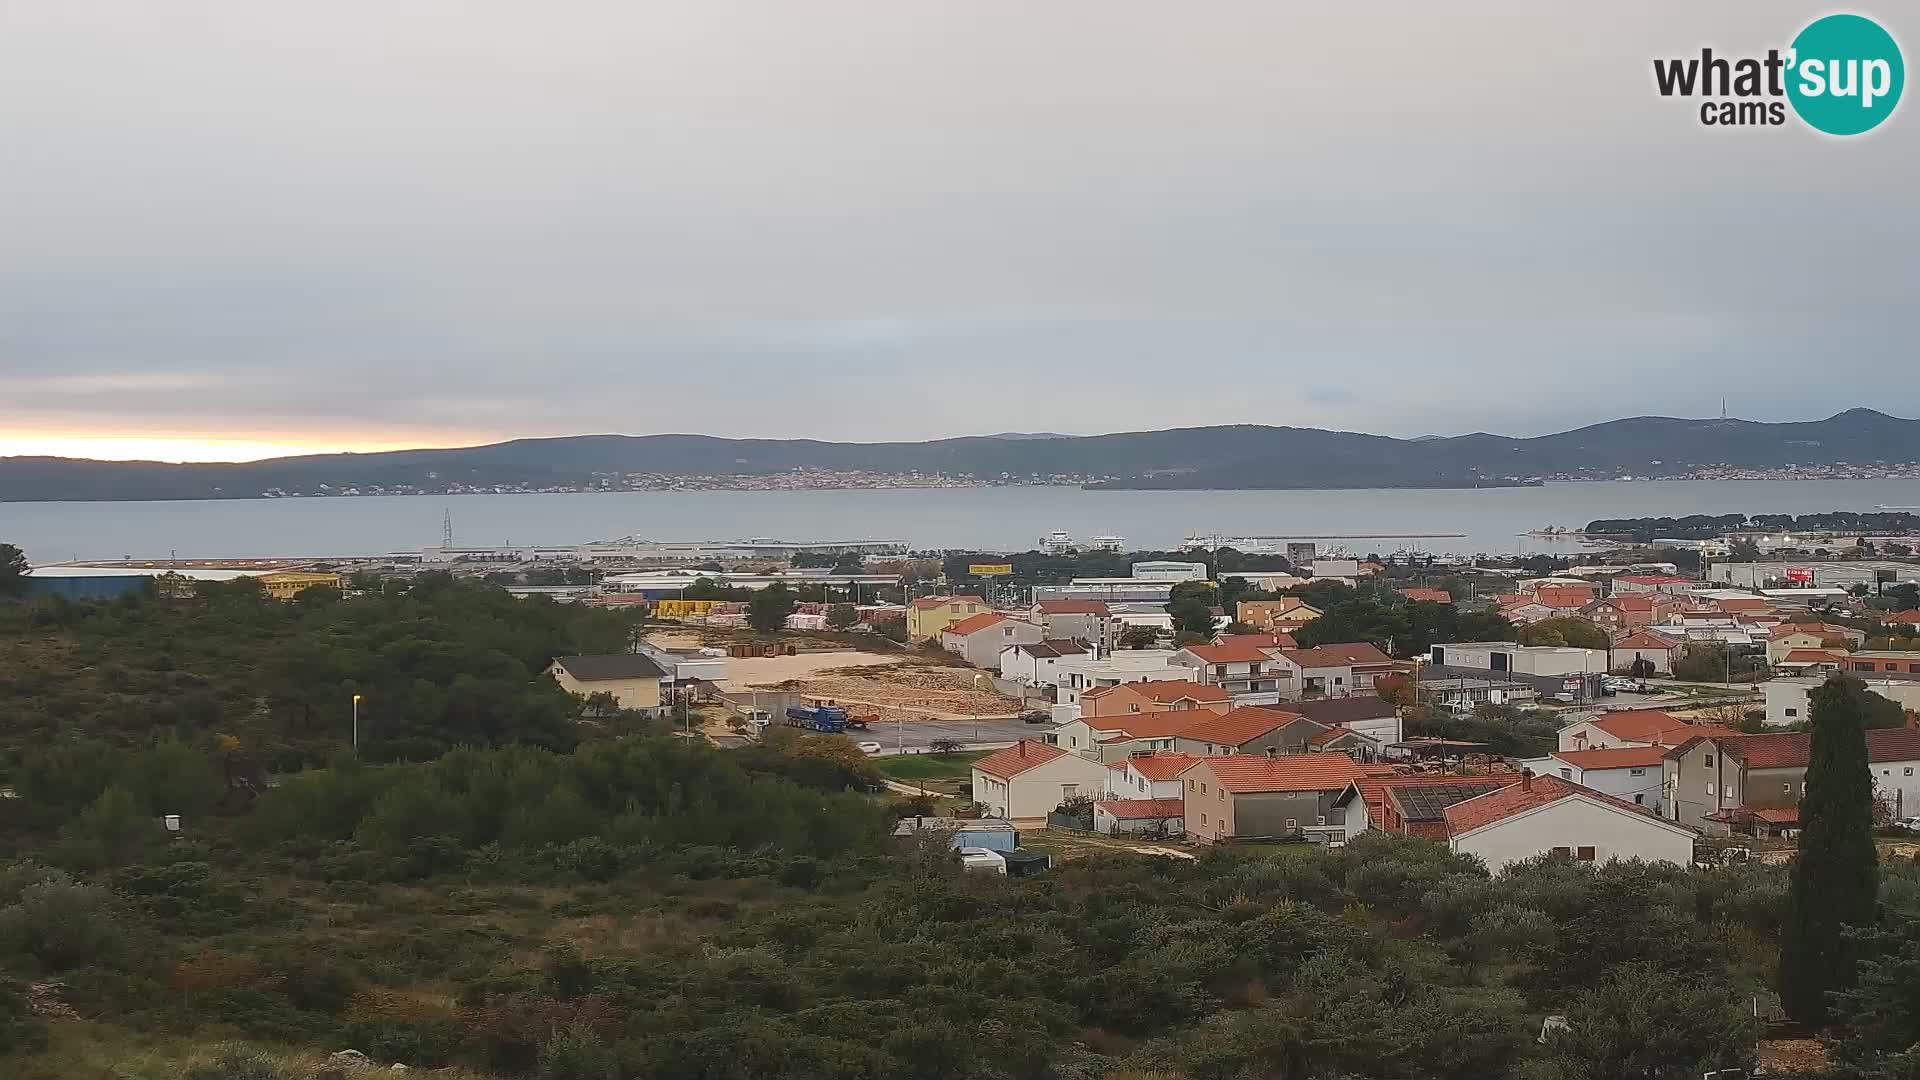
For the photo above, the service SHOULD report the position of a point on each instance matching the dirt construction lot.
(904, 690)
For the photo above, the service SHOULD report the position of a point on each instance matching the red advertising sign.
(1799, 573)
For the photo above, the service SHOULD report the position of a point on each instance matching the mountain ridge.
(1232, 456)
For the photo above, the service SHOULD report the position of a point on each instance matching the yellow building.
(1282, 616)
(287, 584)
(929, 615)
(632, 680)
(684, 609)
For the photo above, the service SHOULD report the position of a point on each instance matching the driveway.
(970, 734)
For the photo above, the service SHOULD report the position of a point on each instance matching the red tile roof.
(1646, 639)
(1743, 603)
(1822, 631)
(1263, 641)
(1811, 656)
(1614, 757)
(973, 624)
(1341, 655)
(1020, 757)
(1136, 809)
(926, 603)
(1630, 601)
(1779, 815)
(1245, 774)
(1334, 734)
(1530, 794)
(1238, 726)
(1071, 607)
(1434, 596)
(1159, 765)
(1655, 727)
(1902, 617)
(1793, 749)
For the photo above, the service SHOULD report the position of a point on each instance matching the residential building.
(1248, 730)
(632, 680)
(1161, 570)
(1527, 612)
(1543, 815)
(1252, 795)
(1267, 580)
(979, 639)
(1902, 618)
(1155, 696)
(1565, 599)
(1635, 774)
(1649, 645)
(1883, 662)
(1720, 783)
(1413, 804)
(1810, 662)
(1036, 664)
(1788, 700)
(1150, 818)
(1367, 714)
(1787, 637)
(929, 615)
(1073, 620)
(1505, 656)
(1282, 616)
(1076, 675)
(1356, 745)
(1430, 596)
(1337, 670)
(1154, 774)
(1644, 584)
(1634, 727)
(1240, 668)
(1623, 614)
(1465, 688)
(1030, 778)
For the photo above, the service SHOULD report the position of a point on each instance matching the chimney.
(1911, 719)
(1526, 779)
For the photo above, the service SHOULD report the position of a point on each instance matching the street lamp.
(356, 725)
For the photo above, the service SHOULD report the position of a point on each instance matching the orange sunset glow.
(181, 448)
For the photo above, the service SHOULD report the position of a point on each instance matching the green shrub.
(236, 1063)
(578, 1054)
(63, 925)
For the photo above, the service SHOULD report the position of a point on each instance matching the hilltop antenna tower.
(446, 527)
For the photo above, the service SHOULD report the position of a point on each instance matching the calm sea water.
(1490, 520)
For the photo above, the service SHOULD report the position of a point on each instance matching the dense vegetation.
(623, 904)
(1707, 526)
(1374, 612)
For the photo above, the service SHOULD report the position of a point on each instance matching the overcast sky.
(371, 224)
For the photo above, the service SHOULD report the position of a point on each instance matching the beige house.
(980, 639)
(1027, 780)
(1253, 795)
(1544, 815)
(632, 680)
(1794, 637)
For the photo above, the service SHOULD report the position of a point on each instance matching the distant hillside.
(1238, 456)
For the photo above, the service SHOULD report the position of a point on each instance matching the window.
(1636, 772)
(1321, 820)
(1293, 823)
(1863, 665)
(1337, 680)
(1908, 771)
(1786, 789)
(1068, 791)
(1709, 761)
(1562, 851)
(1793, 712)
(1133, 708)
(1193, 785)
(1566, 774)
(1203, 817)
(1709, 787)
(1639, 800)
(1586, 854)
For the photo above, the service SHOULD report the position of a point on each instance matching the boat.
(1897, 508)
(1057, 542)
(1107, 542)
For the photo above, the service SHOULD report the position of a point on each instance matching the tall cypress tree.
(1836, 877)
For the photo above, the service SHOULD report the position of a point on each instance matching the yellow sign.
(997, 569)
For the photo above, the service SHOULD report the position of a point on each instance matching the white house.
(1037, 664)
(1543, 815)
(1028, 779)
(978, 640)
(1634, 774)
(1077, 675)
(1520, 659)
(1788, 701)
(1140, 817)
(1634, 727)
(1153, 775)
(1335, 670)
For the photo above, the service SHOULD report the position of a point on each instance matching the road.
(918, 735)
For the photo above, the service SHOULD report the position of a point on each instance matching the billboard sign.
(998, 569)
(1799, 573)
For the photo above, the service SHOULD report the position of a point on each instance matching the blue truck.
(830, 718)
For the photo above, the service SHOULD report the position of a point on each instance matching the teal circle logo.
(1845, 74)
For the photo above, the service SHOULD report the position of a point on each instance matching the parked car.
(1037, 716)
(869, 747)
(1910, 824)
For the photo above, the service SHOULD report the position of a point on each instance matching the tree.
(1744, 551)
(1564, 631)
(1905, 596)
(1139, 637)
(769, 608)
(1643, 1022)
(13, 570)
(1837, 873)
(842, 616)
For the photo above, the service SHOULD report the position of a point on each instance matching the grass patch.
(957, 766)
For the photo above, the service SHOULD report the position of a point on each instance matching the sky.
(229, 230)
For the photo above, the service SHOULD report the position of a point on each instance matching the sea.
(1471, 521)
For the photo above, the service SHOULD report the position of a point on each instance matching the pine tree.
(1836, 876)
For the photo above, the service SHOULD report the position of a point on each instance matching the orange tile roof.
(1339, 655)
(1159, 765)
(1245, 774)
(1744, 603)
(1334, 734)
(1020, 757)
(1811, 656)
(1630, 601)
(1435, 596)
(1071, 607)
(1264, 641)
(973, 624)
(1531, 793)
(1902, 617)
(1236, 653)
(1136, 809)
(1239, 726)
(1655, 727)
(1168, 690)
(1614, 757)
(1646, 639)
